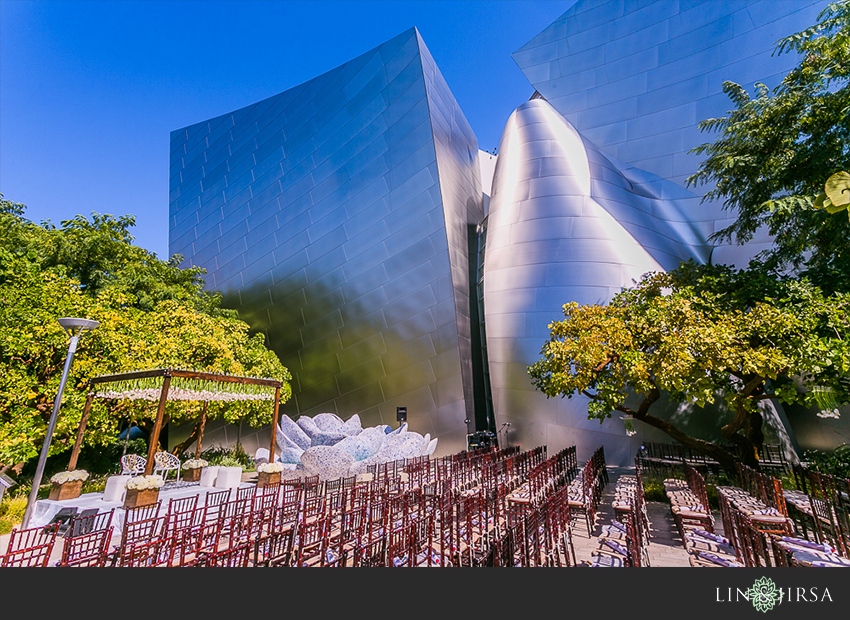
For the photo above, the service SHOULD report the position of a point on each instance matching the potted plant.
(268, 474)
(67, 484)
(192, 469)
(143, 490)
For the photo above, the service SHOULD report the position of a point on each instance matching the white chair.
(166, 462)
(133, 465)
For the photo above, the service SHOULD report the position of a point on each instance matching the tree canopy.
(779, 160)
(697, 332)
(152, 314)
(775, 150)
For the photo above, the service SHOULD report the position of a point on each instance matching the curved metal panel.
(636, 78)
(565, 224)
(329, 215)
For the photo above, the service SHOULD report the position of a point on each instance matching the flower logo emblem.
(764, 594)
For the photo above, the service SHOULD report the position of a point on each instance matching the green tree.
(774, 152)
(151, 314)
(697, 332)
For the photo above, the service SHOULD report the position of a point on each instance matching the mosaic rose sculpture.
(330, 447)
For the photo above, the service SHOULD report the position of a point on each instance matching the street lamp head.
(78, 326)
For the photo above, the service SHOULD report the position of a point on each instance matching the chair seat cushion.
(603, 560)
(768, 519)
(711, 536)
(813, 558)
(689, 511)
(699, 544)
(718, 559)
(791, 543)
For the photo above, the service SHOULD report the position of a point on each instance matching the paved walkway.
(665, 545)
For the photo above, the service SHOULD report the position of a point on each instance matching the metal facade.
(636, 78)
(336, 216)
(333, 216)
(565, 224)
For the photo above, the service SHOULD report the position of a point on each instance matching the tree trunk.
(192, 438)
(148, 425)
(749, 443)
(726, 460)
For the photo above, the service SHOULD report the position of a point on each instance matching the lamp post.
(75, 328)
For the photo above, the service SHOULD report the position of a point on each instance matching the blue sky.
(89, 91)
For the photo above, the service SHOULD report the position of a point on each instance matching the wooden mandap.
(164, 384)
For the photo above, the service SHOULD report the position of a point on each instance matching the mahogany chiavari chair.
(237, 556)
(87, 523)
(89, 549)
(142, 513)
(309, 539)
(274, 549)
(183, 504)
(137, 546)
(370, 552)
(29, 547)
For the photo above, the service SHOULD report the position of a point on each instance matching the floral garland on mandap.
(70, 476)
(141, 483)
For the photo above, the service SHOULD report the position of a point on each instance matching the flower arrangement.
(69, 476)
(140, 483)
(269, 468)
(195, 464)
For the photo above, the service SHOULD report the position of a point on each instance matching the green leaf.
(833, 208)
(821, 201)
(838, 189)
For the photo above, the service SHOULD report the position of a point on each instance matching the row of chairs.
(755, 547)
(661, 458)
(394, 519)
(757, 531)
(625, 542)
(820, 506)
(689, 501)
(585, 490)
(760, 497)
(538, 529)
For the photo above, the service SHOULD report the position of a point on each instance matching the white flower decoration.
(195, 464)
(141, 483)
(270, 468)
(69, 476)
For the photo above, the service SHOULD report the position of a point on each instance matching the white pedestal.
(115, 491)
(228, 477)
(209, 475)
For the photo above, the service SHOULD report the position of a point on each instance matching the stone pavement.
(665, 545)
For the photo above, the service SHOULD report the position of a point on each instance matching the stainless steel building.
(566, 223)
(350, 220)
(635, 78)
(335, 217)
